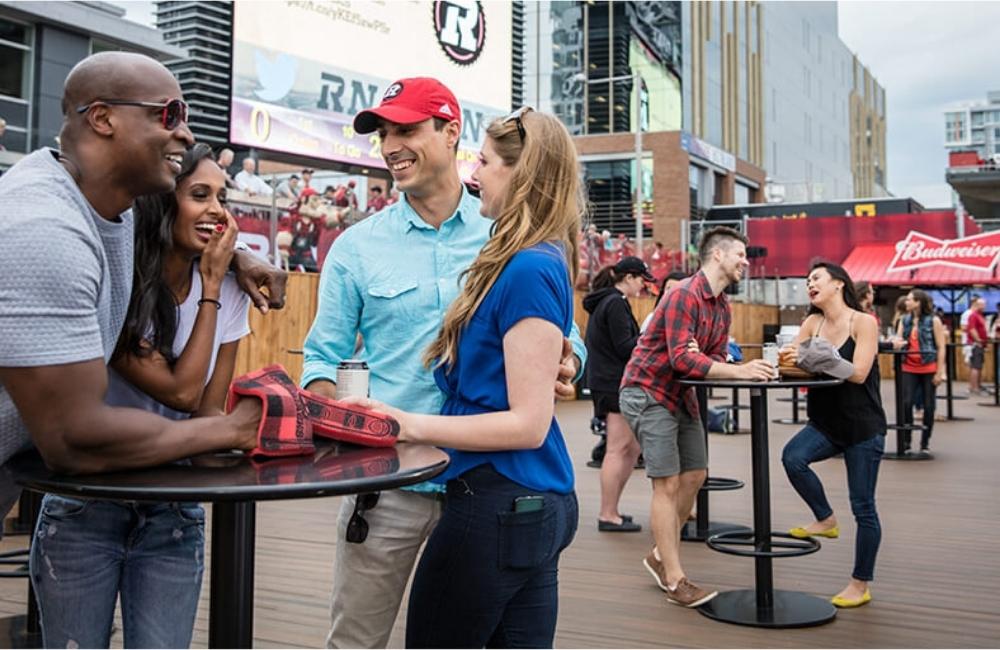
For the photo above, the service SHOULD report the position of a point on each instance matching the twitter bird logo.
(276, 76)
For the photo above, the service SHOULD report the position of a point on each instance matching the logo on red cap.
(392, 91)
(460, 27)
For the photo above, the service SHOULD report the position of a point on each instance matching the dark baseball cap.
(409, 101)
(635, 266)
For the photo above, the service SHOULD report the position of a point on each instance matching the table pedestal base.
(791, 609)
(690, 532)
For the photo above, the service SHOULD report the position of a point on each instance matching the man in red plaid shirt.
(686, 338)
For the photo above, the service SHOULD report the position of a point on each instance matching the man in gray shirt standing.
(66, 259)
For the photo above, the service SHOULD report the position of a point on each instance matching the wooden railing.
(278, 336)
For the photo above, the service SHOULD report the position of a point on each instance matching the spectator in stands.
(249, 182)
(329, 194)
(921, 333)
(3, 130)
(307, 175)
(225, 160)
(289, 188)
(393, 196)
(175, 358)
(612, 332)
(977, 335)
(375, 199)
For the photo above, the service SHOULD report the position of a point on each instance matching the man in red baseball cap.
(391, 278)
(415, 116)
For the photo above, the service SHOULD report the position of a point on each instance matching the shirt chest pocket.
(393, 301)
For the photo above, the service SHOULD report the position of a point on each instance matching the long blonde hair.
(544, 202)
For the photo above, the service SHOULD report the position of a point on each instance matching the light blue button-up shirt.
(391, 277)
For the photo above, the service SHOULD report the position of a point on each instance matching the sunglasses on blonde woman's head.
(172, 113)
(516, 118)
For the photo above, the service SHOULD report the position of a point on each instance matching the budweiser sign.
(978, 252)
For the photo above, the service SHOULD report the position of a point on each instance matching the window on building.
(741, 194)
(15, 59)
(977, 118)
(807, 128)
(806, 80)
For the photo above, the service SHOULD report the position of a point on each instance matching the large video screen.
(303, 68)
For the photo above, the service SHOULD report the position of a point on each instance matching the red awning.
(871, 261)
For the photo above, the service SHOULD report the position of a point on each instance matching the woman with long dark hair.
(921, 333)
(175, 357)
(847, 419)
(612, 332)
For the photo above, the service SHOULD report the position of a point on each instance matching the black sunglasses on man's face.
(172, 113)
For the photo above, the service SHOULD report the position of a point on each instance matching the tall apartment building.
(204, 31)
(581, 61)
(974, 126)
(772, 83)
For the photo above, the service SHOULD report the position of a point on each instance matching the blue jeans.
(86, 553)
(862, 460)
(489, 575)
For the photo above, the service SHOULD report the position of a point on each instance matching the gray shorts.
(977, 357)
(671, 442)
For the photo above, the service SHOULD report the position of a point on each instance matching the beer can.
(352, 378)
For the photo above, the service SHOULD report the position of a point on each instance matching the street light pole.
(637, 84)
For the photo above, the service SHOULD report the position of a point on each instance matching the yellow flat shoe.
(802, 533)
(844, 603)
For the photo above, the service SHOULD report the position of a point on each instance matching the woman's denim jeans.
(87, 553)
(489, 575)
(862, 460)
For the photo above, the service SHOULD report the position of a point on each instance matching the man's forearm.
(323, 387)
(123, 438)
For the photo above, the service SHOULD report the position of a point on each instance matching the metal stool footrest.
(733, 407)
(719, 484)
(793, 547)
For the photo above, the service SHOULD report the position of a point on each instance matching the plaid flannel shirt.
(661, 357)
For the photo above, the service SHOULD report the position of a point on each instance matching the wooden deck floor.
(937, 577)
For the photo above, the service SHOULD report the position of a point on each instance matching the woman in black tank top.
(847, 419)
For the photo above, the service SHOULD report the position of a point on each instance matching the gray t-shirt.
(67, 278)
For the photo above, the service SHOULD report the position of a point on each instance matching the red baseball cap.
(409, 101)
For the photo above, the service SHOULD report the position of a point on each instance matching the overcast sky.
(927, 55)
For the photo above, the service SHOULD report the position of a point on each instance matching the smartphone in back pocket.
(529, 503)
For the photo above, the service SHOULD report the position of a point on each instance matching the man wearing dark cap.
(391, 277)
(63, 304)
(307, 175)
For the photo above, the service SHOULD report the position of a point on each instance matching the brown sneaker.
(655, 567)
(688, 594)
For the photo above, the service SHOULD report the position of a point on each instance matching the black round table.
(764, 606)
(233, 483)
(904, 417)
(996, 374)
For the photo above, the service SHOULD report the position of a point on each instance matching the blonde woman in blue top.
(488, 576)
